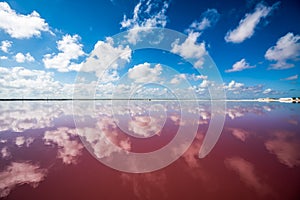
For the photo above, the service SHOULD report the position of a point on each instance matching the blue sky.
(254, 44)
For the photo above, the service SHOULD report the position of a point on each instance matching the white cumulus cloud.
(189, 49)
(178, 78)
(21, 26)
(18, 81)
(155, 17)
(107, 54)
(247, 25)
(20, 57)
(287, 48)
(70, 49)
(205, 83)
(144, 73)
(233, 85)
(5, 45)
(240, 66)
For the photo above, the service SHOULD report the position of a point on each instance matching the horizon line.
(135, 99)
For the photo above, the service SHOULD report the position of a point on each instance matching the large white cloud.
(144, 73)
(287, 48)
(21, 26)
(70, 49)
(240, 66)
(20, 173)
(106, 55)
(247, 25)
(5, 45)
(102, 64)
(189, 49)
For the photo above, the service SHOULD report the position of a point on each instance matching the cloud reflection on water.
(285, 145)
(49, 126)
(19, 173)
(247, 173)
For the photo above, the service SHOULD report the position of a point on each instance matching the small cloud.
(240, 66)
(5, 45)
(205, 83)
(5, 153)
(290, 78)
(3, 57)
(20, 141)
(240, 134)
(267, 91)
(21, 26)
(247, 25)
(233, 85)
(21, 58)
(178, 78)
(197, 77)
(287, 48)
(208, 19)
